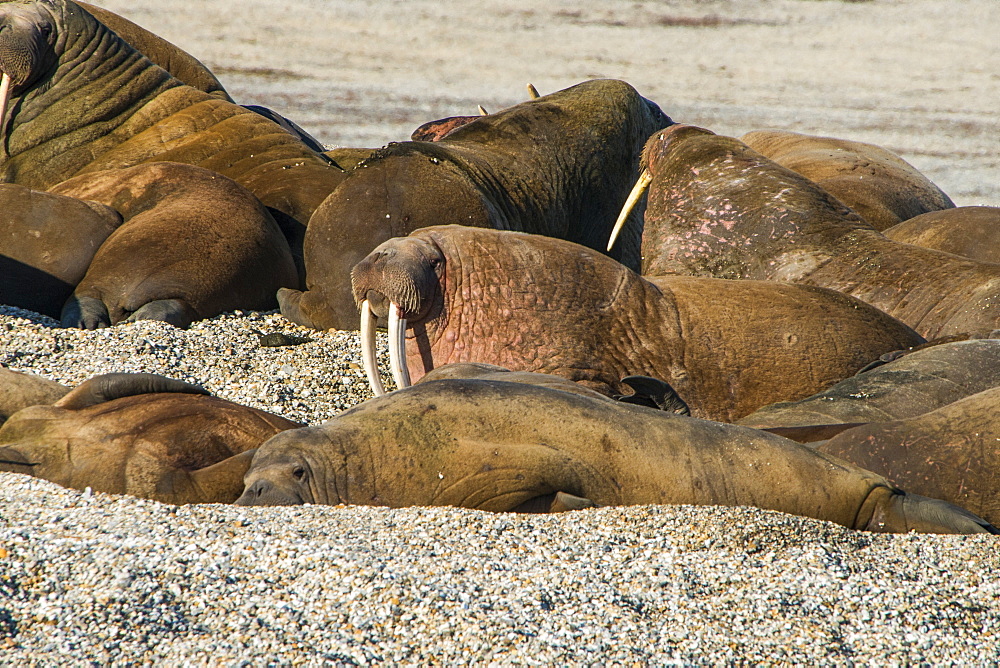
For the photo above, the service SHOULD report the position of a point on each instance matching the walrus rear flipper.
(221, 482)
(557, 502)
(654, 393)
(898, 512)
(110, 386)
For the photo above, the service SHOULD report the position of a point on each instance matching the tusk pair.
(637, 190)
(397, 348)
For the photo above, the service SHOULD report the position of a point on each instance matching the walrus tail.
(895, 511)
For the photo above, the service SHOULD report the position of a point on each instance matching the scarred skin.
(912, 385)
(559, 165)
(46, 244)
(950, 453)
(533, 303)
(880, 186)
(194, 244)
(969, 231)
(718, 208)
(121, 110)
(173, 444)
(499, 446)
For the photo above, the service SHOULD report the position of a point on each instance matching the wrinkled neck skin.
(562, 165)
(716, 208)
(533, 304)
(97, 82)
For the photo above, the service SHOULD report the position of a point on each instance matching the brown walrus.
(879, 185)
(82, 99)
(912, 385)
(952, 453)
(969, 231)
(46, 244)
(139, 434)
(534, 303)
(718, 208)
(194, 244)
(499, 446)
(559, 165)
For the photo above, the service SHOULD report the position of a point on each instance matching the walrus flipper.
(557, 502)
(85, 313)
(654, 393)
(902, 512)
(176, 312)
(221, 482)
(110, 386)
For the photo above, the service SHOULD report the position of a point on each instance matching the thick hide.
(533, 303)
(718, 208)
(969, 231)
(194, 244)
(174, 447)
(880, 186)
(19, 390)
(499, 446)
(46, 245)
(560, 165)
(952, 453)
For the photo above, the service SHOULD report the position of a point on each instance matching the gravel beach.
(96, 579)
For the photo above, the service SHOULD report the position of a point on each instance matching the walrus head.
(285, 471)
(399, 280)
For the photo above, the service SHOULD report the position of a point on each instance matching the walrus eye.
(299, 473)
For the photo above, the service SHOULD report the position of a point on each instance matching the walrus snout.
(263, 492)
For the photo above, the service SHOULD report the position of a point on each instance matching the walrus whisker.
(637, 191)
(368, 348)
(397, 347)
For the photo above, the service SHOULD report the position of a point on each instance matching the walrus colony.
(168, 128)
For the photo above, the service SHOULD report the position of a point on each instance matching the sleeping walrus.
(534, 303)
(718, 208)
(969, 231)
(139, 434)
(500, 446)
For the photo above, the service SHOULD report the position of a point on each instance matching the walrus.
(534, 303)
(718, 208)
(906, 387)
(82, 99)
(952, 453)
(193, 244)
(969, 231)
(46, 244)
(139, 434)
(559, 165)
(497, 446)
(880, 186)
(19, 390)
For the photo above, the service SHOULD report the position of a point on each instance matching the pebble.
(93, 578)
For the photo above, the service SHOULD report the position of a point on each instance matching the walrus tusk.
(533, 92)
(397, 347)
(4, 98)
(637, 190)
(368, 349)
(482, 111)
